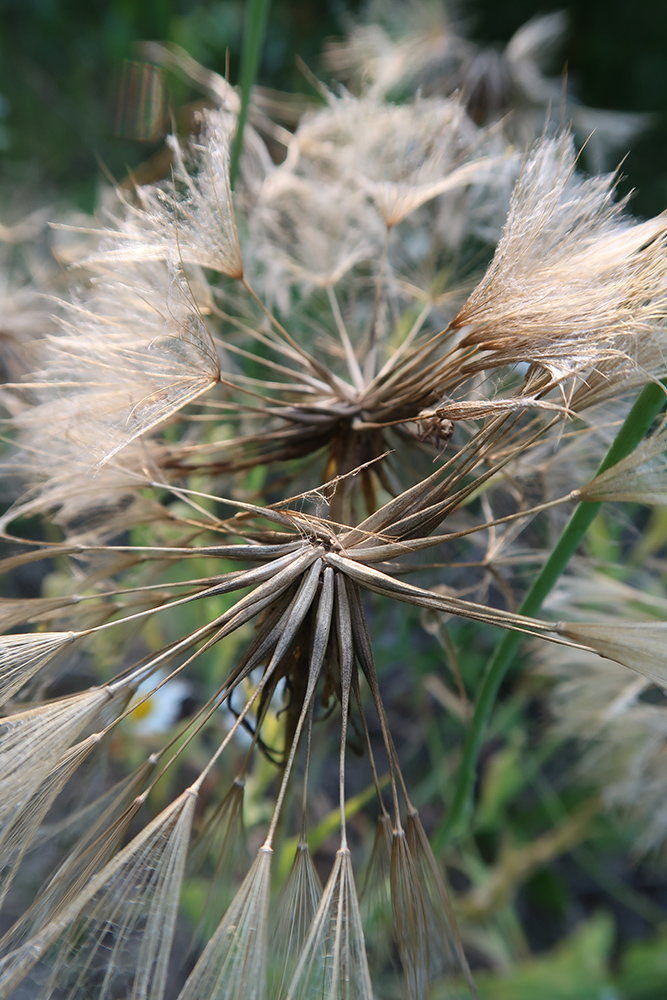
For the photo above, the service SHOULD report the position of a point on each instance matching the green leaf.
(577, 968)
(503, 779)
(253, 35)
(643, 972)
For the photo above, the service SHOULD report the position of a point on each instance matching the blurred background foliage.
(60, 62)
(563, 904)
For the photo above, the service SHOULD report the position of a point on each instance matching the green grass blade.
(256, 13)
(647, 406)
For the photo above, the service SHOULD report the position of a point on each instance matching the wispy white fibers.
(639, 478)
(333, 963)
(133, 899)
(132, 352)
(23, 655)
(233, 963)
(190, 218)
(641, 646)
(575, 285)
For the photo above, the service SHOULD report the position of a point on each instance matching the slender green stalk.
(639, 419)
(256, 13)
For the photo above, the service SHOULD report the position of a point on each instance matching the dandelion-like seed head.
(252, 427)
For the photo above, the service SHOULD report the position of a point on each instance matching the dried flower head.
(248, 428)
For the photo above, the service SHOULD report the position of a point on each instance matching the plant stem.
(256, 12)
(647, 406)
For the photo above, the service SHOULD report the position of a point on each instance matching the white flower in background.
(158, 708)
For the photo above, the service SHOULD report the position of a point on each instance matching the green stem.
(256, 13)
(639, 419)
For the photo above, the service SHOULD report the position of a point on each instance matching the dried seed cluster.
(286, 390)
